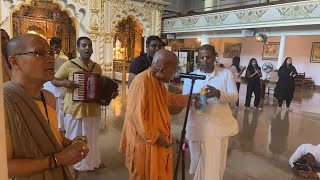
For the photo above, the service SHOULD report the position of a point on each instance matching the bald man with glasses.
(35, 148)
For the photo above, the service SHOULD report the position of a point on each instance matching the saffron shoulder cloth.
(32, 137)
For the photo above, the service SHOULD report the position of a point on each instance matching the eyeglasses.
(39, 53)
(156, 45)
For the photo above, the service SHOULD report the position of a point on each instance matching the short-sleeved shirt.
(140, 64)
(78, 109)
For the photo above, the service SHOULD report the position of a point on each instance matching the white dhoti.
(89, 127)
(208, 158)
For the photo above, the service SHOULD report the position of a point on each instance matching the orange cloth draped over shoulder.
(146, 117)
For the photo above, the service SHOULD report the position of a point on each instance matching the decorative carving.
(108, 37)
(93, 35)
(158, 25)
(94, 25)
(46, 20)
(82, 2)
(216, 19)
(297, 11)
(190, 21)
(102, 37)
(144, 14)
(251, 16)
(154, 5)
(94, 6)
(168, 24)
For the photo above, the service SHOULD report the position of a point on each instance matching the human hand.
(309, 174)
(197, 102)
(212, 92)
(163, 140)
(70, 84)
(72, 154)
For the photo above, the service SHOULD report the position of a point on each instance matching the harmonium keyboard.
(93, 88)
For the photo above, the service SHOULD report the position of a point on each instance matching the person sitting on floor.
(306, 160)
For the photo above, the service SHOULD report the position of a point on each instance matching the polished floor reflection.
(260, 151)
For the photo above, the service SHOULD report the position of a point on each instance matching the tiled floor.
(260, 151)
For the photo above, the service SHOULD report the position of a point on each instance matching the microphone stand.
(183, 134)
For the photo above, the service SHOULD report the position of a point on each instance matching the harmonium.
(93, 88)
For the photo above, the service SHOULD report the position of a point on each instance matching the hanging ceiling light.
(262, 38)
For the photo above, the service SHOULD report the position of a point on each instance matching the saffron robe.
(146, 117)
(32, 136)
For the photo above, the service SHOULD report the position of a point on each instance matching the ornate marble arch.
(121, 10)
(76, 11)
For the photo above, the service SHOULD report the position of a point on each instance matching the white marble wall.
(97, 20)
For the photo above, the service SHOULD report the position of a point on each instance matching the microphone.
(191, 76)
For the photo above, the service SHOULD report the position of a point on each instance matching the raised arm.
(228, 95)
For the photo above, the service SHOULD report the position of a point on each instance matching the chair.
(300, 78)
(273, 79)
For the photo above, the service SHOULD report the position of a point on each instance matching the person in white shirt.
(305, 160)
(59, 92)
(208, 132)
(237, 71)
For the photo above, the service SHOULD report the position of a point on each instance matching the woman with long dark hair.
(253, 75)
(237, 71)
(285, 85)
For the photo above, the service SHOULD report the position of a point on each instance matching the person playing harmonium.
(82, 117)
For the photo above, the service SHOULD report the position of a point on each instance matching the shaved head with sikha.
(164, 65)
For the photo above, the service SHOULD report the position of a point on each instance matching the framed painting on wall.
(271, 51)
(232, 50)
(315, 53)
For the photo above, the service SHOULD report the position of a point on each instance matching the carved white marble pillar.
(108, 37)
(281, 51)
(205, 39)
(109, 54)
(96, 48)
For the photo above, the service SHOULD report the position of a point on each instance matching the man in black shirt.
(143, 62)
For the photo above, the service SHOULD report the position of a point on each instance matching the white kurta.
(303, 150)
(208, 132)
